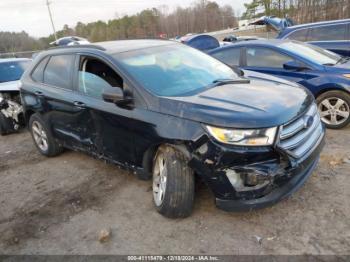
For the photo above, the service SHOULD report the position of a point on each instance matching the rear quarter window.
(38, 72)
(58, 71)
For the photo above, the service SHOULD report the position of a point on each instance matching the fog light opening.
(234, 178)
(251, 179)
(245, 180)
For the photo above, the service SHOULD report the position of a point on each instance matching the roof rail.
(79, 46)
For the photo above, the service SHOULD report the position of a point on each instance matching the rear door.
(269, 61)
(58, 103)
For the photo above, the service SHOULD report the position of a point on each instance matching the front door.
(112, 132)
(268, 61)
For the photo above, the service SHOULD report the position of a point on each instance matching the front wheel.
(334, 108)
(173, 183)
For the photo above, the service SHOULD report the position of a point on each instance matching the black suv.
(168, 111)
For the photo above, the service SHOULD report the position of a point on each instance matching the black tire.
(339, 95)
(53, 148)
(6, 125)
(178, 198)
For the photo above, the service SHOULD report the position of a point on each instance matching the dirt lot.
(59, 206)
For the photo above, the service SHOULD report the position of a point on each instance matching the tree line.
(201, 16)
(300, 11)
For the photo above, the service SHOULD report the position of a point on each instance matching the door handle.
(38, 93)
(79, 104)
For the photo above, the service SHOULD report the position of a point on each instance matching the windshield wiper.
(225, 81)
(343, 60)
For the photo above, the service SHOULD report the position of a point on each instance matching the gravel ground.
(60, 205)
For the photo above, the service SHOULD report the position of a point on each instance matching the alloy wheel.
(159, 179)
(334, 111)
(40, 136)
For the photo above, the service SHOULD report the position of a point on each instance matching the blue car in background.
(201, 42)
(331, 35)
(324, 73)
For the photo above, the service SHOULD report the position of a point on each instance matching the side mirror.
(294, 65)
(116, 96)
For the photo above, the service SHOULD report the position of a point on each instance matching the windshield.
(310, 52)
(174, 70)
(12, 71)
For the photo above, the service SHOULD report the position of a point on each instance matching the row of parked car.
(170, 112)
(321, 65)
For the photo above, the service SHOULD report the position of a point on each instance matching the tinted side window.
(58, 71)
(38, 73)
(95, 76)
(264, 57)
(299, 35)
(229, 56)
(327, 33)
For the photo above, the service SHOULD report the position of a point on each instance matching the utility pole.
(53, 26)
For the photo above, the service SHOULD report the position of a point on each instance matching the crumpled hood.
(10, 86)
(255, 105)
(275, 23)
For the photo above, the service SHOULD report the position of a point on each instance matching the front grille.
(299, 137)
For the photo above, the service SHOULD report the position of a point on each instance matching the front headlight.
(244, 137)
(347, 75)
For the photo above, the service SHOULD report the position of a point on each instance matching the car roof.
(119, 46)
(265, 42)
(317, 24)
(6, 60)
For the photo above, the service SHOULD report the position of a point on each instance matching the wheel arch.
(331, 88)
(27, 115)
(148, 156)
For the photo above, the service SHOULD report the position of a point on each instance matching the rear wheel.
(43, 139)
(334, 109)
(173, 183)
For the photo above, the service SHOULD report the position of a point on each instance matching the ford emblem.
(308, 121)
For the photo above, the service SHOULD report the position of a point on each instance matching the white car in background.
(11, 111)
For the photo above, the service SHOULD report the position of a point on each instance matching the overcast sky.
(32, 15)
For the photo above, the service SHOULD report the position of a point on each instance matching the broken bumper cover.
(298, 175)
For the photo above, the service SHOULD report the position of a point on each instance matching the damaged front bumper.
(11, 112)
(244, 179)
